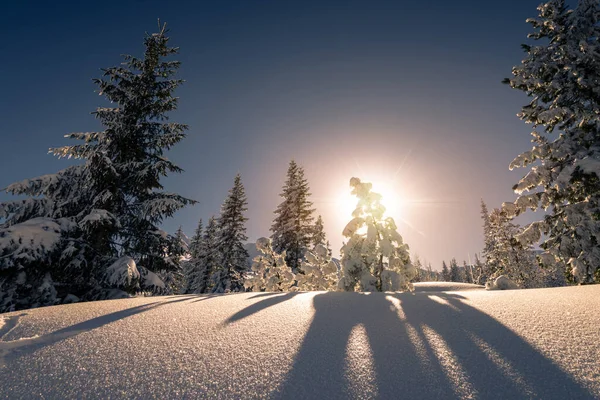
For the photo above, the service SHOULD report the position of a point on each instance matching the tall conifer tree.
(233, 263)
(560, 73)
(293, 228)
(108, 208)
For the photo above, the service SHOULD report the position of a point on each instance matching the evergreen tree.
(233, 265)
(374, 258)
(488, 239)
(468, 272)
(319, 271)
(479, 271)
(318, 234)
(445, 272)
(419, 267)
(195, 266)
(174, 278)
(269, 271)
(561, 74)
(209, 257)
(455, 275)
(509, 256)
(292, 228)
(112, 203)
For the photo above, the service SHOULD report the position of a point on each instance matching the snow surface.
(434, 344)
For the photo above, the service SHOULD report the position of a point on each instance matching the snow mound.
(471, 344)
(445, 286)
(501, 283)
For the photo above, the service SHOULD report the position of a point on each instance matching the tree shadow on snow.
(266, 294)
(260, 305)
(422, 346)
(203, 297)
(11, 350)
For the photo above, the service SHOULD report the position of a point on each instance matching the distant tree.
(194, 268)
(445, 272)
(508, 256)
(269, 271)
(210, 256)
(233, 265)
(468, 272)
(292, 228)
(375, 257)
(419, 267)
(455, 273)
(430, 277)
(561, 74)
(488, 243)
(108, 209)
(318, 234)
(479, 271)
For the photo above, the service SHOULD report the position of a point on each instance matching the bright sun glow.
(391, 200)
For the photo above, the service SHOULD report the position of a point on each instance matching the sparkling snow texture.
(537, 343)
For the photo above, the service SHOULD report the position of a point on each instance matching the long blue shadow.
(261, 305)
(408, 367)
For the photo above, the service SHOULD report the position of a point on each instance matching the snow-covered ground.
(539, 343)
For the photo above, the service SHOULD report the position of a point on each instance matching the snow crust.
(322, 345)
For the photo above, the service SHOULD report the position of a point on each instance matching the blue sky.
(403, 92)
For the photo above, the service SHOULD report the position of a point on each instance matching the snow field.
(538, 343)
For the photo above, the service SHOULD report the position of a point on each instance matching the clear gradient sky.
(405, 92)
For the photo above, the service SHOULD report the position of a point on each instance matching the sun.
(390, 198)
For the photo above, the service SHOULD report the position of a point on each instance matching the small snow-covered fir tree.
(318, 234)
(419, 267)
(113, 200)
(455, 273)
(269, 270)
(178, 254)
(560, 73)
(374, 258)
(510, 257)
(195, 265)
(233, 264)
(292, 228)
(489, 242)
(210, 255)
(468, 272)
(445, 272)
(319, 272)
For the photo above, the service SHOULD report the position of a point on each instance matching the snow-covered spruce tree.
(293, 228)
(270, 272)
(468, 272)
(419, 267)
(561, 73)
(455, 273)
(488, 244)
(210, 255)
(445, 272)
(204, 257)
(178, 255)
(319, 271)
(112, 200)
(318, 234)
(233, 263)
(194, 266)
(509, 256)
(374, 258)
